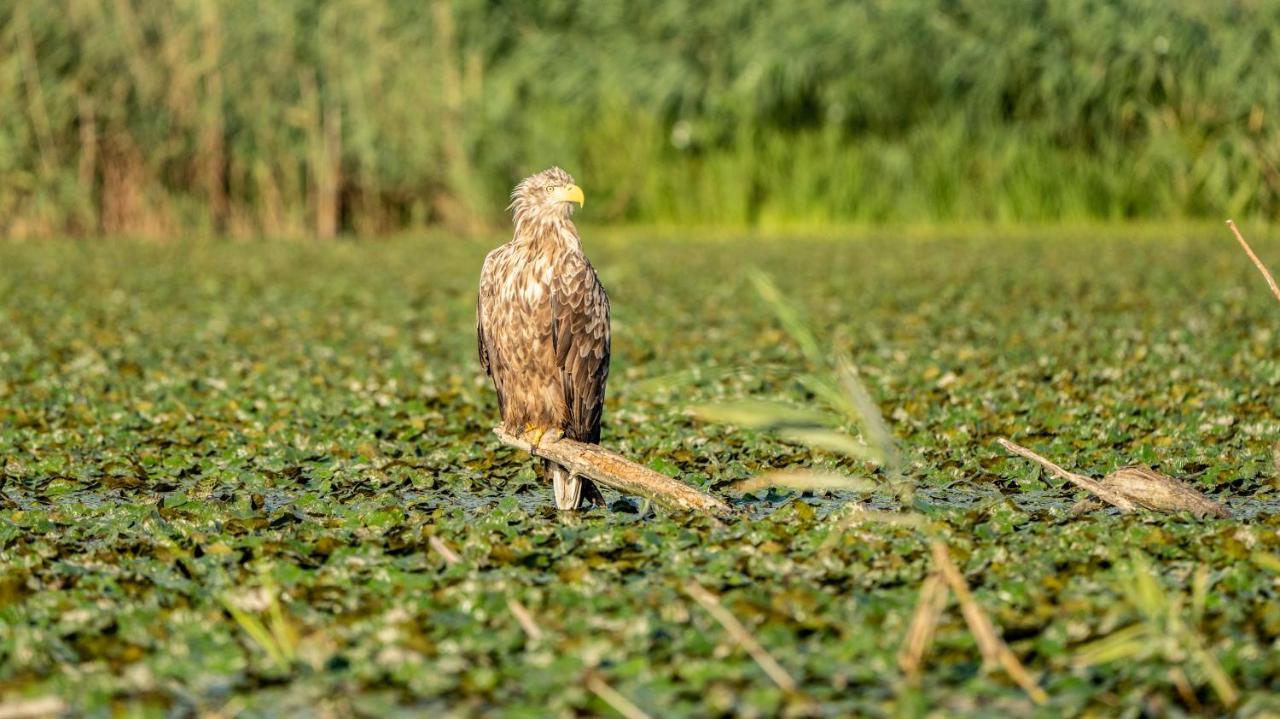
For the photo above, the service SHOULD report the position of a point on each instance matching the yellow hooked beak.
(570, 193)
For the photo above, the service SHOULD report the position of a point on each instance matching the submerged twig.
(984, 633)
(1266, 274)
(771, 667)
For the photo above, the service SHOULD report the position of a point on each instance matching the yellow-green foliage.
(315, 116)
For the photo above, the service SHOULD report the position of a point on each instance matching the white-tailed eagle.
(542, 325)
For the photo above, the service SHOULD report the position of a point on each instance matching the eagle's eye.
(552, 188)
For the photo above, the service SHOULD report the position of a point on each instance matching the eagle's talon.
(533, 434)
(536, 435)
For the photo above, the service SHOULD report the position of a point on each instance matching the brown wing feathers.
(580, 336)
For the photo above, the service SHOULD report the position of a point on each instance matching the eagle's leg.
(572, 491)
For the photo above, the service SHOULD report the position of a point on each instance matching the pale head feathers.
(536, 207)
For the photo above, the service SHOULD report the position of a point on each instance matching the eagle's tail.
(571, 491)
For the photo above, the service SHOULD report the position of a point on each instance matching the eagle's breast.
(518, 328)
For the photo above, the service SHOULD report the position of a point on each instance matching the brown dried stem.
(450, 556)
(1266, 274)
(522, 615)
(594, 682)
(993, 648)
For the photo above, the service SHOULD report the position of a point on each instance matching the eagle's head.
(544, 198)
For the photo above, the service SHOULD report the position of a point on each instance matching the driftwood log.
(613, 470)
(1131, 488)
(1155, 491)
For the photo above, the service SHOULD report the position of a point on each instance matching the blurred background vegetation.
(316, 117)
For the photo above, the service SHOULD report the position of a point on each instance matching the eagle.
(542, 327)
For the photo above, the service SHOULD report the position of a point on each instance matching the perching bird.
(542, 325)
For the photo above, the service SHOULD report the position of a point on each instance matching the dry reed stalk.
(522, 615)
(1266, 274)
(518, 610)
(1188, 695)
(37, 708)
(613, 698)
(597, 685)
(993, 648)
(924, 623)
(771, 667)
(450, 556)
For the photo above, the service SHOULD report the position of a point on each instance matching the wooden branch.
(1104, 493)
(1266, 274)
(613, 470)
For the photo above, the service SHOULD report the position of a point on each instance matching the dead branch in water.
(1131, 488)
(613, 470)
(1156, 491)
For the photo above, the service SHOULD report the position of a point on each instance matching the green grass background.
(298, 117)
(205, 441)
